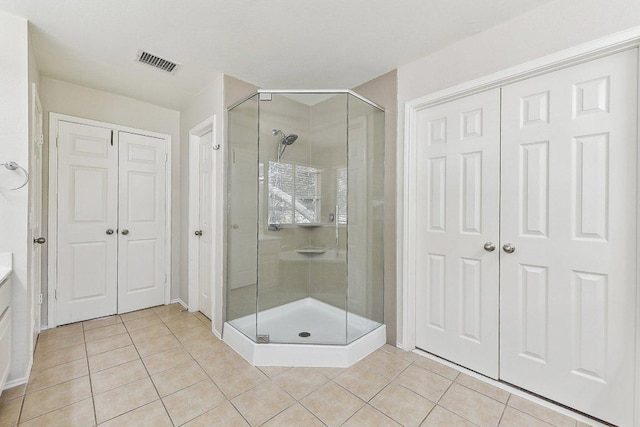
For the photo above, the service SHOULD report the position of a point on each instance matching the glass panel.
(301, 257)
(365, 218)
(243, 177)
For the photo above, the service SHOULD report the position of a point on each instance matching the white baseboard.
(179, 301)
(15, 383)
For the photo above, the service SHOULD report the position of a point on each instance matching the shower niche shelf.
(312, 250)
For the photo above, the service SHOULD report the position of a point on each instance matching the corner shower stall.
(304, 224)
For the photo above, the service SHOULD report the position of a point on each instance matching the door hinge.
(40, 299)
(41, 139)
(166, 157)
(55, 294)
(165, 277)
(112, 138)
(56, 141)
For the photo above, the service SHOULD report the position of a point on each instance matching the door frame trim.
(208, 125)
(628, 39)
(52, 220)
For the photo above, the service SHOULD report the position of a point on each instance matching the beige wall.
(550, 28)
(383, 91)
(79, 101)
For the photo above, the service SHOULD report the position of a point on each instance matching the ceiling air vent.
(157, 62)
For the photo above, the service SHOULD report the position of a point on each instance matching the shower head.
(285, 140)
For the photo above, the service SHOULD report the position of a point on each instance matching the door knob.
(109, 231)
(489, 247)
(198, 233)
(39, 240)
(125, 232)
(509, 248)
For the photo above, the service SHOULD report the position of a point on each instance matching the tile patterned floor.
(162, 366)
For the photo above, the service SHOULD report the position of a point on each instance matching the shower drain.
(304, 334)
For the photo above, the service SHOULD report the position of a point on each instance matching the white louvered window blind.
(294, 194)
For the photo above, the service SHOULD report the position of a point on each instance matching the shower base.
(323, 347)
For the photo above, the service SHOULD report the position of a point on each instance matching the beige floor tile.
(403, 354)
(482, 387)
(332, 404)
(224, 415)
(545, 414)
(262, 403)
(273, 371)
(202, 346)
(294, 416)
(10, 411)
(58, 357)
(52, 344)
(13, 392)
(166, 360)
(581, 424)
(471, 405)
(112, 358)
(57, 374)
(169, 308)
(177, 378)
(101, 322)
(193, 401)
(204, 319)
(56, 397)
(187, 322)
(142, 322)
(331, 373)
(107, 344)
(440, 417)
(437, 367)
(368, 416)
(362, 382)
(403, 405)
(157, 345)
(514, 418)
(193, 332)
(79, 414)
(60, 331)
(150, 415)
(104, 332)
(425, 383)
(299, 382)
(115, 377)
(148, 333)
(220, 360)
(384, 363)
(236, 381)
(137, 314)
(124, 399)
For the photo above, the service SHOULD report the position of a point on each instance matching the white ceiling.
(271, 43)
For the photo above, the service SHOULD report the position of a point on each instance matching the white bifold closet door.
(457, 292)
(111, 222)
(569, 197)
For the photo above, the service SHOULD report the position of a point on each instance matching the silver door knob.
(198, 233)
(125, 232)
(489, 247)
(40, 240)
(509, 248)
(109, 231)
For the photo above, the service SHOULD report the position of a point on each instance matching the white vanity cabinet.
(5, 318)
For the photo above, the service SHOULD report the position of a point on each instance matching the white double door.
(111, 222)
(545, 170)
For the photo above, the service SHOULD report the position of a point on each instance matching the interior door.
(569, 194)
(35, 216)
(457, 289)
(87, 223)
(205, 250)
(142, 221)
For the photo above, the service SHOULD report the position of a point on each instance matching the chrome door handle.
(125, 232)
(198, 233)
(40, 240)
(489, 247)
(109, 231)
(509, 248)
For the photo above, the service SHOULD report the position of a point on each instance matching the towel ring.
(13, 166)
